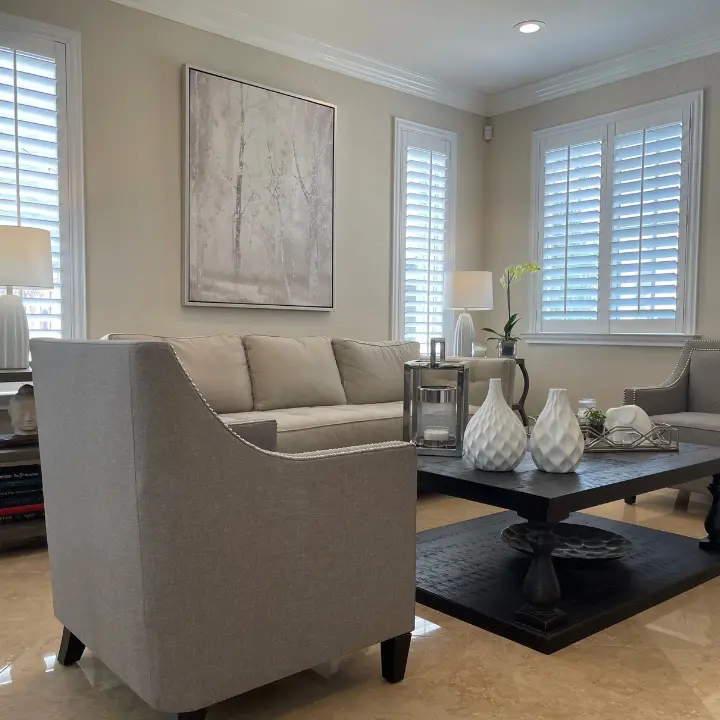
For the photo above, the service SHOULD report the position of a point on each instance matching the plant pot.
(507, 348)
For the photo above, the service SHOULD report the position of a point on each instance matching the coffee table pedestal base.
(544, 620)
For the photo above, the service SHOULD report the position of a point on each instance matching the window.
(41, 163)
(424, 227)
(615, 226)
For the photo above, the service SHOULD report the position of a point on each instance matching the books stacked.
(21, 495)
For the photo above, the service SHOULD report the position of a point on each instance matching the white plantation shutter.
(571, 234)
(423, 216)
(645, 259)
(616, 222)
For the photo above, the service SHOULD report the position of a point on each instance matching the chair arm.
(662, 400)
(261, 433)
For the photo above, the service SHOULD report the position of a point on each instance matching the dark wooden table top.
(600, 478)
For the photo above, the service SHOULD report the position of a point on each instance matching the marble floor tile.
(663, 664)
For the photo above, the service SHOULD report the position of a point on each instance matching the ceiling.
(469, 46)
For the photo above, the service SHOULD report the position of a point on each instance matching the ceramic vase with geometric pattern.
(495, 439)
(557, 443)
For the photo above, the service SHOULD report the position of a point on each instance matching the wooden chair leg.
(394, 655)
(631, 500)
(682, 501)
(195, 715)
(71, 649)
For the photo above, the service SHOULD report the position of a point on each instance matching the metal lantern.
(435, 409)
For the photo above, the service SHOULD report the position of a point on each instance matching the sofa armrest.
(260, 433)
(661, 400)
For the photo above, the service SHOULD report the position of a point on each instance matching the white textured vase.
(495, 439)
(557, 443)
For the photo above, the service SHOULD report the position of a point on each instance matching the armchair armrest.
(260, 433)
(661, 400)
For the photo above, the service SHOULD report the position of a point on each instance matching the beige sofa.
(323, 393)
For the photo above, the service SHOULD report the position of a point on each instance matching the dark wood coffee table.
(466, 570)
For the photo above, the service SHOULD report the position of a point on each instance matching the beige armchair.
(198, 566)
(689, 400)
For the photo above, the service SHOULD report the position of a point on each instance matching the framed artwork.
(259, 196)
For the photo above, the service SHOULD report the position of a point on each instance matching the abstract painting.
(260, 185)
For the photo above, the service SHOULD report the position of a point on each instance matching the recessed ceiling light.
(529, 26)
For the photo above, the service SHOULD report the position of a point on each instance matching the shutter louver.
(647, 175)
(570, 232)
(29, 172)
(425, 245)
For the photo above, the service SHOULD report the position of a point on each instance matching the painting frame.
(187, 301)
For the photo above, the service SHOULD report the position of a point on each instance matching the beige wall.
(599, 372)
(132, 112)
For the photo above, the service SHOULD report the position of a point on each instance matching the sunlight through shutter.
(29, 172)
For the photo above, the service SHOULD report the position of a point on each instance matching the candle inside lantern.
(436, 435)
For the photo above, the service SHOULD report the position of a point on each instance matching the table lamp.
(25, 261)
(468, 290)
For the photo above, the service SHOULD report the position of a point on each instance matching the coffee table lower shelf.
(466, 571)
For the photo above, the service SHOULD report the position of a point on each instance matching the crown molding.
(700, 44)
(223, 20)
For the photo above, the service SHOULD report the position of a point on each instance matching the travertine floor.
(664, 663)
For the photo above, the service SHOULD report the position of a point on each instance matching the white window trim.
(71, 137)
(402, 127)
(692, 243)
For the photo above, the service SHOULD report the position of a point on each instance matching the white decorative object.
(25, 261)
(627, 416)
(557, 443)
(467, 290)
(22, 411)
(495, 439)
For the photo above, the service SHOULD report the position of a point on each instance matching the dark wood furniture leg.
(394, 655)
(712, 522)
(71, 649)
(195, 715)
(541, 587)
(519, 406)
(631, 500)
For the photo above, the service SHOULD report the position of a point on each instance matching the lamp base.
(464, 336)
(14, 334)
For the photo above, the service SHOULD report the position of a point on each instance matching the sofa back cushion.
(217, 366)
(372, 372)
(703, 383)
(293, 372)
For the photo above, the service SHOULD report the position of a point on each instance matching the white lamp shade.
(25, 257)
(469, 290)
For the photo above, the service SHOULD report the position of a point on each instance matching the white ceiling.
(467, 45)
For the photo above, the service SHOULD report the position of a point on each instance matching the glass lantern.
(435, 409)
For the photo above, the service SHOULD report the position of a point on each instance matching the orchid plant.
(511, 275)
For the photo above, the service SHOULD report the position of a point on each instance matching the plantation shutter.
(29, 164)
(425, 228)
(570, 235)
(646, 228)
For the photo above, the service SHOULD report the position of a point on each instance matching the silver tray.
(662, 438)
(575, 542)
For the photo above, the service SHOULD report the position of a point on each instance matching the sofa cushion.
(218, 367)
(372, 372)
(215, 363)
(695, 427)
(293, 372)
(322, 428)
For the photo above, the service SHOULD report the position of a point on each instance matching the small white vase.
(557, 443)
(495, 439)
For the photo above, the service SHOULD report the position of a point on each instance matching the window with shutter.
(424, 219)
(616, 226)
(35, 169)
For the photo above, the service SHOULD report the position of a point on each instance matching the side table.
(519, 406)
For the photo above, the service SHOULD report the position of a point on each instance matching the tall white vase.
(495, 439)
(557, 443)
